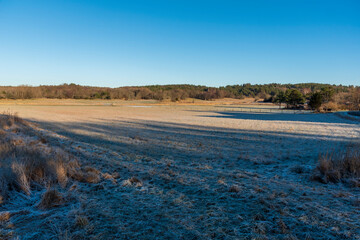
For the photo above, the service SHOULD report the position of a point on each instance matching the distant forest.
(265, 92)
(161, 92)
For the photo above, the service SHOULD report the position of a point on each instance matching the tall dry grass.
(339, 166)
(25, 166)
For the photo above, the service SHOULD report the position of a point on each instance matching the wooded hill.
(162, 92)
(321, 97)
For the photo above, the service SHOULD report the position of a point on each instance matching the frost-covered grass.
(189, 173)
(25, 161)
(33, 173)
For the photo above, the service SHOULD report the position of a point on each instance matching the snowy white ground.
(205, 172)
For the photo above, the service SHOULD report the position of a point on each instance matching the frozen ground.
(197, 172)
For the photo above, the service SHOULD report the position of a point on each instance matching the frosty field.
(191, 172)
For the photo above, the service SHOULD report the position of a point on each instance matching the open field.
(191, 171)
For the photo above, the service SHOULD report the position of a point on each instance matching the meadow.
(199, 170)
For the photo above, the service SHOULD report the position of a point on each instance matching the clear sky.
(206, 42)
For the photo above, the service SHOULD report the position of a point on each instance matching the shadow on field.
(298, 117)
(183, 141)
(188, 172)
(272, 108)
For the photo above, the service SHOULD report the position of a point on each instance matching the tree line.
(313, 95)
(323, 100)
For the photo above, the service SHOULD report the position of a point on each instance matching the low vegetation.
(26, 163)
(38, 177)
(343, 166)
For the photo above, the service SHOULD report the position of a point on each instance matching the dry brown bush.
(339, 166)
(329, 107)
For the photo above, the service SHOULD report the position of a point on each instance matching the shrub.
(329, 107)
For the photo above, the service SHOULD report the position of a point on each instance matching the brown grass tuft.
(89, 177)
(89, 169)
(8, 119)
(133, 181)
(234, 189)
(81, 221)
(339, 166)
(92, 177)
(50, 198)
(23, 166)
(4, 216)
(115, 175)
(107, 176)
(22, 178)
(61, 173)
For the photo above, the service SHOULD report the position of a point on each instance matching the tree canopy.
(160, 92)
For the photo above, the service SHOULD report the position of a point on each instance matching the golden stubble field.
(225, 170)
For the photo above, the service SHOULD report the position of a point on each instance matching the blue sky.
(214, 43)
